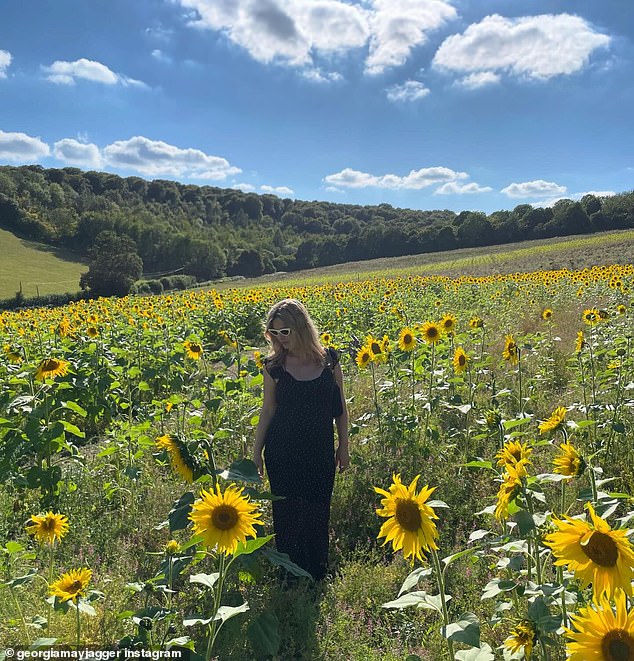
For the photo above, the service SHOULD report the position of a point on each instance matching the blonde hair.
(305, 337)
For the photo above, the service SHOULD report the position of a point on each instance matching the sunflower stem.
(443, 601)
(564, 610)
(78, 623)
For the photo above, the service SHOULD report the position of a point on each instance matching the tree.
(114, 267)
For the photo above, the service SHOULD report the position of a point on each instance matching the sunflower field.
(488, 512)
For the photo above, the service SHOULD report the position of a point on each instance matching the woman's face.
(286, 341)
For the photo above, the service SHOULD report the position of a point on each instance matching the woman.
(303, 392)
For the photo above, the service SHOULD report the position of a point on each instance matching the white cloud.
(538, 187)
(410, 90)
(5, 62)
(157, 158)
(277, 190)
(537, 47)
(159, 55)
(415, 180)
(572, 196)
(454, 188)
(298, 33)
(318, 76)
(67, 73)
(397, 26)
(80, 154)
(21, 148)
(479, 79)
(244, 187)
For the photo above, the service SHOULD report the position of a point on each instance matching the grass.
(35, 268)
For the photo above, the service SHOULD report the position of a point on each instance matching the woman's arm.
(266, 414)
(342, 455)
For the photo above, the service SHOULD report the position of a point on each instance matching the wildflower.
(71, 585)
(406, 340)
(594, 552)
(600, 633)
(193, 350)
(460, 360)
(569, 462)
(555, 421)
(409, 526)
(51, 367)
(224, 519)
(46, 528)
(511, 351)
(522, 638)
(431, 332)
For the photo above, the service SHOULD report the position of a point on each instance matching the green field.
(35, 268)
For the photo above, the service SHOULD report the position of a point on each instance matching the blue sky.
(425, 104)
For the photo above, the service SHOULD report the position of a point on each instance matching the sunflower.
(594, 552)
(580, 342)
(476, 322)
(257, 356)
(71, 585)
(569, 462)
(600, 633)
(229, 341)
(493, 418)
(406, 340)
(514, 453)
(621, 309)
(460, 360)
(522, 638)
(13, 353)
(410, 524)
(509, 489)
(547, 314)
(46, 528)
(224, 519)
(431, 332)
(326, 339)
(172, 547)
(92, 331)
(375, 347)
(193, 349)
(555, 421)
(363, 357)
(180, 458)
(51, 367)
(448, 323)
(511, 351)
(591, 316)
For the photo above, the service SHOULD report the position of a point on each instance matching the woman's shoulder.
(331, 357)
(273, 366)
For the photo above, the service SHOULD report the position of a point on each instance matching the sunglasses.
(280, 331)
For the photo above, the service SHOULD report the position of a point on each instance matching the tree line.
(206, 232)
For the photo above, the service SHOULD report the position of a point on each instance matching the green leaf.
(208, 580)
(251, 545)
(618, 427)
(191, 620)
(85, 607)
(437, 503)
(75, 408)
(413, 579)
(551, 477)
(478, 464)
(485, 653)
(264, 635)
(466, 630)
(450, 558)
(478, 534)
(243, 470)
(22, 580)
(282, 560)
(420, 599)
(227, 612)
(13, 547)
(497, 586)
(42, 642)
(510, 424)
(524, 521)
(177, 516)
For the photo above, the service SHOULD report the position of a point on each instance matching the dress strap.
(331, 358)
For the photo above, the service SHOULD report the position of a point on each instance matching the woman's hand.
(342, 458)
(257, 460)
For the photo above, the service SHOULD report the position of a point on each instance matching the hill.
(210, 232)
(36, 268)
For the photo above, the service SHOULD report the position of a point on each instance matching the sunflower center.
(432, 332)
(48, 524)
(224, 517)
(462, 359)
(407, 338)
(602, 550)
(375, 348)
(50, 365)
(196, 348)
(75, 586)
(618, 645)
(408, 515)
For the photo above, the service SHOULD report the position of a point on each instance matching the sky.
(421, 104)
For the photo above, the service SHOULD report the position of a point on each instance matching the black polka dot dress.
(300, 462)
